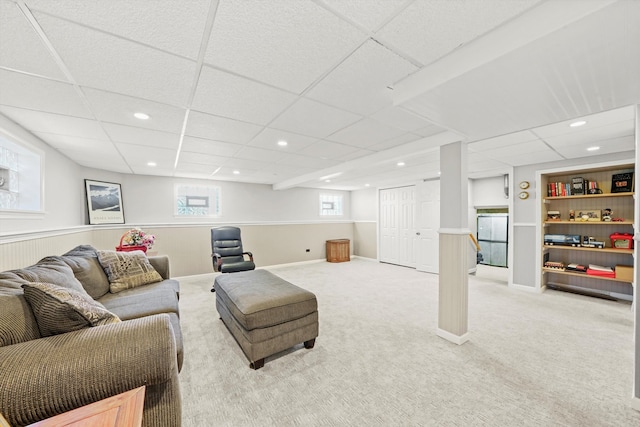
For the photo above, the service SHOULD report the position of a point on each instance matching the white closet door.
(397, 226)
(427, 225)
(388, 226)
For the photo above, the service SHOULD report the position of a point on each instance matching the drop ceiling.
(353, 87)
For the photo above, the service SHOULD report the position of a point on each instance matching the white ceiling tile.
(610, 145)
(592, 136)
(37, 121)
(253, 153)
(220, 128)
(157, 23)
(361, 82)
(111, 63)
(328, 150)
(623, 116)
(69, 144)
(401, 119)
(306, 161)
(502, 141)
(18, 36)
(428, 30)
(269, 138)
(519, 159)
(314, 119)
(245, 164)
(202, 170)
(140, 136)
(140, 155)
(207, 146)
(523, 148)
(117, 108)
(394, 142)
(368, 13)
(227, 95)
(202, 159)
(283, 43)
(153, 170)
(365, 133)
(355, 155)
(35, 93)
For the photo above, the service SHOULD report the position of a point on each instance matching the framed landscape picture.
(104, 202)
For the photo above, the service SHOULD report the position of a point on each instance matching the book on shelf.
(599, 270)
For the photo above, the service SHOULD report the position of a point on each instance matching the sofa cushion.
(127, 270)
(83, 260)
(48, 270)
(155, 298)
(58, 310)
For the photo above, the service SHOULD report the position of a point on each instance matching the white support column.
(453, 306)
(636, 311)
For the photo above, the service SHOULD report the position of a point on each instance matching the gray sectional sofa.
(134, 339)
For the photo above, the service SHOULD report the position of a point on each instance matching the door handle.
(418, 233)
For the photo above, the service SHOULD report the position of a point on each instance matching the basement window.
(330, 205)
(197, 200)
(20, 177)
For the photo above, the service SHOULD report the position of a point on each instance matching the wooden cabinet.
(338, 250)
(580, 217)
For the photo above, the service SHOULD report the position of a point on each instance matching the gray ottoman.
(265, 314)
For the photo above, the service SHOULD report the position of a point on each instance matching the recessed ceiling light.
(400, 163)
(578, 123)
(327, 180)
(141, 116)
(236, 172)
(366, 185)
(152, 164)
(282, 143)
(593, 148)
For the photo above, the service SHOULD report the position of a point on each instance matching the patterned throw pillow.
(127, 270)
(58, 310)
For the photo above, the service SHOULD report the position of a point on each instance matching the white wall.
(364, 205)
(150, 200)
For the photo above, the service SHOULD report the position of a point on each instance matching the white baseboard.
(364, 258)
(312, 261)
(451, 337)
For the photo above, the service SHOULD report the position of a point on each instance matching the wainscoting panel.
(189, 246)
(23, 253)
(365, 236)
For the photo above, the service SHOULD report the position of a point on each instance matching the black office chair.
(228, 255)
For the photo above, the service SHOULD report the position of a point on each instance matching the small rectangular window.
(197, 200)
(20, 177)
(330, 204)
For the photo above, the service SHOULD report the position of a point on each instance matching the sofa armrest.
(161, 264)
(48, 376)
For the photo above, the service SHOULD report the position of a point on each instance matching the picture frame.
(622, 182)
(104, 202)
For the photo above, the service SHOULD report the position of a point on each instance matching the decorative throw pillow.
(127, 270)
(58, 310)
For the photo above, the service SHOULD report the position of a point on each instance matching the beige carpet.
(532, 360)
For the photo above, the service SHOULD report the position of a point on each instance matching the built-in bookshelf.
(576, 229)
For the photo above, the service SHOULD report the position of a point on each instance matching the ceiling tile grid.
(361, 83)
(102, 61)
(227, 95)
(18, 36)
(157, 23)
(322, 76)
(288, 44)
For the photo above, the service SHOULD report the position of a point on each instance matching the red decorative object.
(129, 248)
